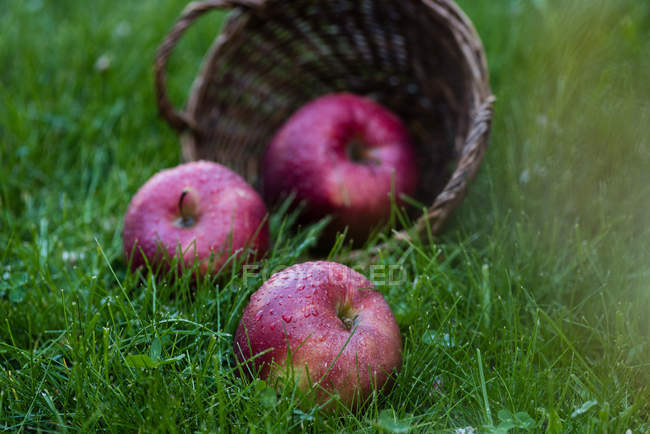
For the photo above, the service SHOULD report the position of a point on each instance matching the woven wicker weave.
(420, 58)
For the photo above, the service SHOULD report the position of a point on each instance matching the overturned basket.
(420, 58)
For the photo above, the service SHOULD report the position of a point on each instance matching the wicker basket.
(420, 58)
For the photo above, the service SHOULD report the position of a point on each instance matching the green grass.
(532, 307)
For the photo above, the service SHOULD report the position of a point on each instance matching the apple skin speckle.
(223, 215)
(310, 157)
(312, 331)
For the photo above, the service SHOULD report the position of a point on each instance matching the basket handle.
(179, 119)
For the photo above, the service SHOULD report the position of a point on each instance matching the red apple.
(342, 155)
(202, 208)
(326, 325)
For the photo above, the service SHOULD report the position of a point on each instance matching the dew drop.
(258, 316)
(307, 314)
(287, 318)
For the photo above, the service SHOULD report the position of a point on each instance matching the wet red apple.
(342, 155)
(324, 325)
(201, 209)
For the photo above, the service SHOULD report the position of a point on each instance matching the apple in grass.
(324, 324)
(342, 155)
(202, 210)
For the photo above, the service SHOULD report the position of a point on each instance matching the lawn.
(531, 310)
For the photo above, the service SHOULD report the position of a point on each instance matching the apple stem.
(180, 201)
(346, 316)
(185, 221)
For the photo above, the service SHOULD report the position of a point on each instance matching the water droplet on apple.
(307, 314)
(314, 312)
(271, 312)
(301, 287)
(287, 318)
(258, 316)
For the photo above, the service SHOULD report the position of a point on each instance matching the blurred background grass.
(573, 156)
(549, 256)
